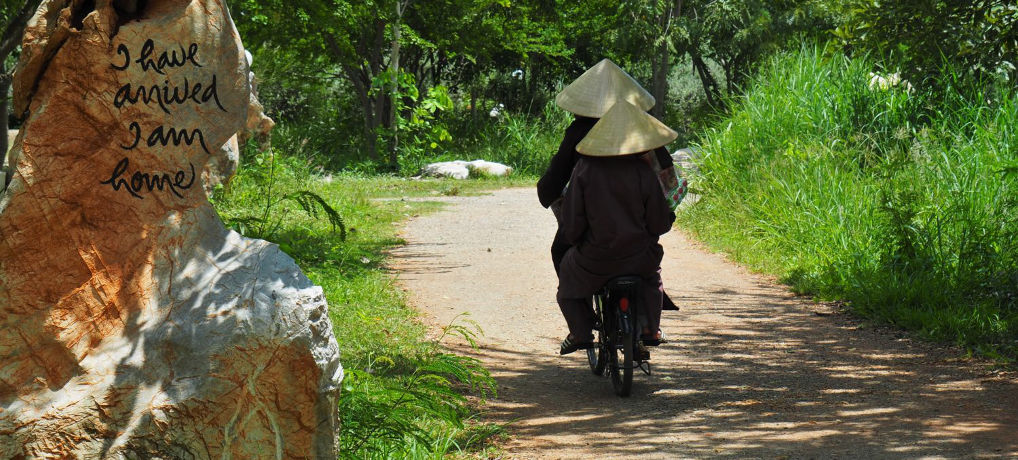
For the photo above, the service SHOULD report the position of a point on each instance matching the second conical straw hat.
(599, 88)
(625, 130)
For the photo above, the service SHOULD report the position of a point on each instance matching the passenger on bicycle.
(588, 98)
(612, 215)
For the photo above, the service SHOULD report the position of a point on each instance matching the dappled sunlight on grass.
(390, 357)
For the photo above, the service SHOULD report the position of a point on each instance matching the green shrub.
(898, 204)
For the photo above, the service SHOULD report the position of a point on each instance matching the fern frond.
(311, 203)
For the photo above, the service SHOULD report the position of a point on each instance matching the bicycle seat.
(623, 282)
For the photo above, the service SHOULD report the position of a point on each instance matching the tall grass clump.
(903, 202)
(404, 395)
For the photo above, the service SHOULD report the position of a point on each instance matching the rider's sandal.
(642, 354)
(570, 345)
(652, 341)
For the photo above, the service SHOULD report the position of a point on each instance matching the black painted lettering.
(135, 130)
(148, 58)
(117, 182)
(164, 137)
(212, 93)
(122, 49)
(168, 94)
(146, 50)
(144, 94)
(192, 51)
(141, 182)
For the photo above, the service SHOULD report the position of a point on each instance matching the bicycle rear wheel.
(597, 357)
(620, 349)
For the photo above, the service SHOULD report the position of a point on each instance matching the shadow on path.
(751, 370)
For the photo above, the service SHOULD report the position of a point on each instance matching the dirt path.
(752, 371)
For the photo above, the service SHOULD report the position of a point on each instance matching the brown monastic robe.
(612, 215)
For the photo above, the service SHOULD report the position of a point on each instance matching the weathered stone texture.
(132, 323)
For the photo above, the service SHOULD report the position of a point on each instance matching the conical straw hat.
(625, 130)
(594, 92)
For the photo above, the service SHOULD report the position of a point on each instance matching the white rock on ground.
(688, 159)
(460, 169)
(132, 323)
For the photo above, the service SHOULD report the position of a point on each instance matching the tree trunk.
(362, 89)
(370, 138)
(710, 85)
(360, 78)
(662, 60)
(659, 89)
(473, 104)
(394, 91)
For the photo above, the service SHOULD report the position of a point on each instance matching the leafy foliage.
(979, 38)
(416, 123)
(346, 79)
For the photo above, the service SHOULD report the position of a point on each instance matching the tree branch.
(15, 27)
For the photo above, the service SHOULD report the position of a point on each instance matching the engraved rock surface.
(132, 323)
(259, 125)
(222, 166)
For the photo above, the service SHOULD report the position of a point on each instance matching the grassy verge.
(403, 396)
(900, 202)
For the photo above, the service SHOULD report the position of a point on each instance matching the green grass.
(404, 396)
(899, 202)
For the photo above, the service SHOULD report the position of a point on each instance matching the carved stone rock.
(259, 125)
(132, 323)
(222, 166)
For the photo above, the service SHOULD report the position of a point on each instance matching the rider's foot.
(642, 353)
(570, 344)
(653, 340)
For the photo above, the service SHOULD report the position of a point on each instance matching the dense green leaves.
(979, 38)
(488, 53)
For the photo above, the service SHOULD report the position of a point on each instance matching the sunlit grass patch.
(900, 202)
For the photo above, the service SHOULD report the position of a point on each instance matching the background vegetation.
(863, 150)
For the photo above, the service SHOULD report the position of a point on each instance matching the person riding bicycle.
(588, 98)
(612, 215)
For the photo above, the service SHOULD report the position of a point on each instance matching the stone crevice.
(80, 9)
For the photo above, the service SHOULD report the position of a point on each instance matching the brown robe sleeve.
(560, 168)
(659, 214)
(574, 214)
(664, 158)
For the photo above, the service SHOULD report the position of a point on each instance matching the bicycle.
(618, 349)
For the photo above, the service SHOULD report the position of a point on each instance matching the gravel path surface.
(751, 371)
